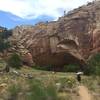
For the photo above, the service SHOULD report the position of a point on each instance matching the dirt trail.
(84, 94)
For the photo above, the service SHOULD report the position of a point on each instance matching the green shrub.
(71, 68)
(66, 83)
(37, 91)
(6, 34)
(51, 92)
(4, 44)
(94, 64)
(71, 82)
(89, 82)
(15, 61)
(14, 91)
(46, 68)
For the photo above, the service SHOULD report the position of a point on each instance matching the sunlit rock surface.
(71, 39)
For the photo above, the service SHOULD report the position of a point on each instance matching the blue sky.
(17, 12)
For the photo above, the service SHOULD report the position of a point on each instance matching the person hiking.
(79, 76)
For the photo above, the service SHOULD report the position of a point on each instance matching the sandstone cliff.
(71, 39)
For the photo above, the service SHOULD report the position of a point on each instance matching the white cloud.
(35, 8)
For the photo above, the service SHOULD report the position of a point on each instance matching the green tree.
(15, 61)
(4, 45)
(94, 64)
(4, 34)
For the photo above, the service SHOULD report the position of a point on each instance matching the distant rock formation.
(71, 39)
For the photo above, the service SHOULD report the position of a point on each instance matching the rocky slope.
(71, 39)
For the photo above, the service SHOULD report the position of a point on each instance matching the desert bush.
(37, 91)
(66, 83)
(15, 61)
(71, 68)
(46, 68)
(71, 82)
(14, 91)
(94, 65)
(52, 92)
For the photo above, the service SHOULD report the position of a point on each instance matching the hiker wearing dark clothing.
(79, 77)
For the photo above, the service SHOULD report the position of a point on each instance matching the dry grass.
(65, 83)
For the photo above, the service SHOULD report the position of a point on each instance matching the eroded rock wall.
(73, 38)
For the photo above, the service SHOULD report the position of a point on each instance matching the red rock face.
(70, 39)
(96, 39)
(27, 59)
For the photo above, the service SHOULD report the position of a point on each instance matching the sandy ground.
(84, 93)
